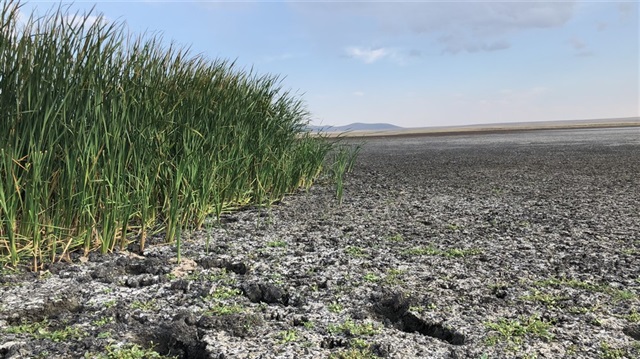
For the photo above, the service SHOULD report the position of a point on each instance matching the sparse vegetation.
(513, 330)
(145, 305)
(371, 277)
(616, 294)
(225, 309)
(356, 252)
(344, 157)
(132, 351)
(609, 352)
(547, 299)
(277, 244)
(351, 328)
(43, 330)
(335, 307)
(288, 336)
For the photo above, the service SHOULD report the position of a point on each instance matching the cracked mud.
(466, 246)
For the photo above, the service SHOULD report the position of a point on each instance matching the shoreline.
(486, 129)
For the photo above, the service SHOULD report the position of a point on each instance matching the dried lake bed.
(515, 244)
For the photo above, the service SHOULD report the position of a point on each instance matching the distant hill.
(357, 126)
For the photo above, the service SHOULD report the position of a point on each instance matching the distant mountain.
(357, 126)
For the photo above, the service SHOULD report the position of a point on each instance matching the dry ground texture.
(518, 245)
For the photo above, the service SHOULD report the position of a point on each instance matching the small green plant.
(422, 251)
(393, 276)
(396, 238)
(148, 305)
(548, 300)
(335, 307)
(359, 343)
(355, 252)
(616, 294)
(288, 336)
(132, 351)
(423, 308)
(609, 352)
(221, 293)
(515, 329)
(633, 316)
(102, 321)
(277, 244)
(371, 277)
(41, 330)
(225, 309)
(104, 335)
(349, 327)
(308, 324)
(109, 303)
(620, 294)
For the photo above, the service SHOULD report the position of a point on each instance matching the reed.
(106, 137)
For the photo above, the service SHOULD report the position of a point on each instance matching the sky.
(415, 63)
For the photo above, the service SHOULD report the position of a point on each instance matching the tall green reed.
(106, 137)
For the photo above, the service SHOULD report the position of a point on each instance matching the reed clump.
(106, 137)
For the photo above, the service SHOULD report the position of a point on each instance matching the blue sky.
(419, 63)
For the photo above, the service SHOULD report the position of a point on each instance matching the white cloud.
(368, 56)
(88, 20)
(371, 55)
(358, 93)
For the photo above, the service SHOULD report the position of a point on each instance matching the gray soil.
(471, 246)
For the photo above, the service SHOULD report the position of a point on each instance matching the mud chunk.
(239, 325)
(265, 292)
(633, 331)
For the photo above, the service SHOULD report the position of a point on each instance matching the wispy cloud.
(456, 26)
(358, 93)
(580, 47)
(368, 56)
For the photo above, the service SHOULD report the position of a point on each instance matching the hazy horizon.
(416, 64)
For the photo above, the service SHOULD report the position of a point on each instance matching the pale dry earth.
(439, 243)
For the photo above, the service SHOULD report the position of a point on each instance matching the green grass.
(371, 277)
(356, 252)
(42, 330)
(148, 305)
(343, 160)
(288, 336)
(514, 330)
(616, 294)
(277, 244)
(335, 307)
(107, 138)
(225, 309)
(131, 351)
(609, 352)
(549, 300)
